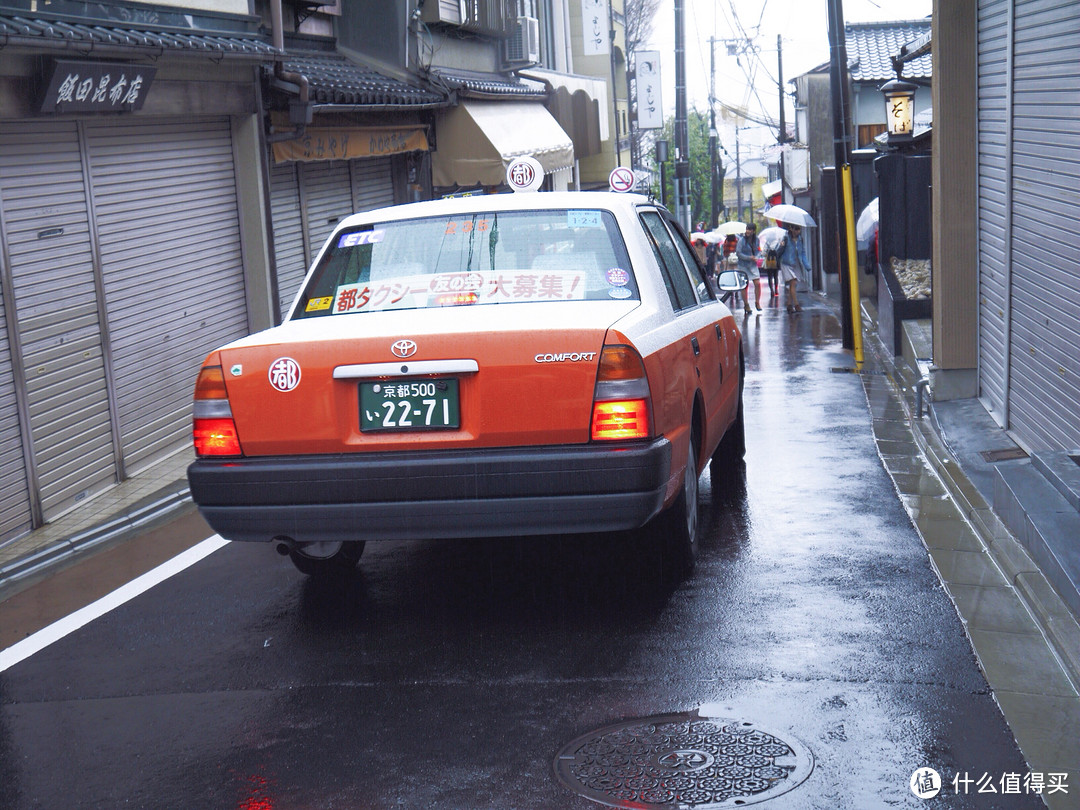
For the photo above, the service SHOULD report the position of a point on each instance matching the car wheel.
(675, 530)
(326, 559)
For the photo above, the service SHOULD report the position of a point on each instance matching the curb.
(127, 523)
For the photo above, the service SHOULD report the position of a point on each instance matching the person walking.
(747, 249)
(793, 264)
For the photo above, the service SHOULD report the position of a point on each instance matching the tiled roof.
(485, 85)
(871, 46)
(336, 79)
(81, 39)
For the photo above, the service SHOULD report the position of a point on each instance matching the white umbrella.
(771, 237)
(728, 228)
(698, 236)
(792, 215)
(867, 224)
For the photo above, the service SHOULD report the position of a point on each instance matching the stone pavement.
(1024, 635)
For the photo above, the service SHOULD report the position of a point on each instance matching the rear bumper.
(433, 494)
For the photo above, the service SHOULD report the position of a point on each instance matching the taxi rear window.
(507, 257)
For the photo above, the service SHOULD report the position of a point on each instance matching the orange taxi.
(516, 364)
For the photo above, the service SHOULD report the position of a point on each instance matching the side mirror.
(732, 281)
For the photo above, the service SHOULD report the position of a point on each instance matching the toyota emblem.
(404, 348)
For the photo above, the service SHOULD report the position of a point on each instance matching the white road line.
(125, 593)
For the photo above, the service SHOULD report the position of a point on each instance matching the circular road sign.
(621, 179)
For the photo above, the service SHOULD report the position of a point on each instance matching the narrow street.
(504, 673)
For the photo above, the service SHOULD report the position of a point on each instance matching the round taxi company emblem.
(621, 179)
(404, 348)
(524, 174)
(284, 374)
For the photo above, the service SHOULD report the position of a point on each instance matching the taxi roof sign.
(524, 174)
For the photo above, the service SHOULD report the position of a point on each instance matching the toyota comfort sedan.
(516, 364)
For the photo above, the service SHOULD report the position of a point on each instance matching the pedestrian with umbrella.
(746, 250)
(794, 263)
(769, 242)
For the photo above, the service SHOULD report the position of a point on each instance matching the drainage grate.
(866, 372)
(682, 760)
(1002, 455)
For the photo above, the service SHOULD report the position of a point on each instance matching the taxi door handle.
(697, 348)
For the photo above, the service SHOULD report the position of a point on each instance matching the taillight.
(621, 397)
(213, 428)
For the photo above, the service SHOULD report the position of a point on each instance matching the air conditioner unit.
(523, 45)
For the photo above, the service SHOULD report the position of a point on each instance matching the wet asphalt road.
(450, 675)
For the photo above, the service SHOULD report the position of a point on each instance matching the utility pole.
(738, 177)
(682, 140)
(713, 207)
(841, 110)
(614, 85)
(780, 85)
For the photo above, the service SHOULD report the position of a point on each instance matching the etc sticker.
(284, 374)
(583, 219)
(317, 304)
(619, 292)
(617, 277)
(361, 238)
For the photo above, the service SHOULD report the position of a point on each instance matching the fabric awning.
(477, 140)
(580, 105)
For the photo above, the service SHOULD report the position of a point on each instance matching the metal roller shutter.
(330, 190)
(373, 184)
(15, 514)
(328, 196)
(47, 230)
(1044, 378)
(289, 254)
(993, 223)
(166, 206)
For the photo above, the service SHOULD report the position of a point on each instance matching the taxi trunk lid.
(524, 375)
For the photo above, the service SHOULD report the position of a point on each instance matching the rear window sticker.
(317, 304)
(583, 219)
(361, 238)
(284, 374)
(483, 287)
(617, 277)
(619, 292)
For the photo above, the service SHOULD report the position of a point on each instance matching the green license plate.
(412, 405)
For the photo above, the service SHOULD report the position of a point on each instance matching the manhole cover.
(683, 760)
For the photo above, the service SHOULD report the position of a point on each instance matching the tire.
(675, 530)
(326, 559)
